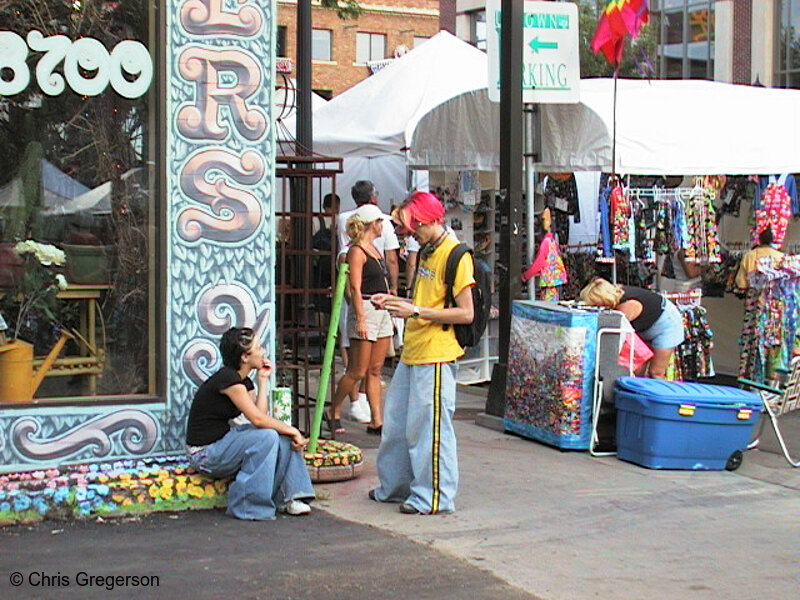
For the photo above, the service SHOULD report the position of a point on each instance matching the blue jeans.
(268, 472)
(417, 460)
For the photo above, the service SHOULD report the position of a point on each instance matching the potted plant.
(33, 295)
(88, 259)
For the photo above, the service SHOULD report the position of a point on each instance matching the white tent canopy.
(96, 201)
(663, 127)
(378, 115)
(57, 188)
(460, 134)
(371, 124)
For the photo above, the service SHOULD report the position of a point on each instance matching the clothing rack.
(771, 316)
(578, 247)
(685, 299)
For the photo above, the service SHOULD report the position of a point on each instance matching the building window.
(788, 58)
(370, 46)
(321, 44)
(477, 29)
(686, 38)
(77, 175)
(280, 41)
(418, 41)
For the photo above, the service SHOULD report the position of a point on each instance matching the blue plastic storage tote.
(680, 425)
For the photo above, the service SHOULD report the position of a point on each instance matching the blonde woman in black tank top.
(369, 328)
(654, 318)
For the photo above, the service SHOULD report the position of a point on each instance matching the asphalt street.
(204, 554)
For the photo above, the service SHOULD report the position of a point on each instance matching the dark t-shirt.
(651, 306)
(211, 409)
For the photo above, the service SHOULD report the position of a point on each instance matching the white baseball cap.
(367, 213)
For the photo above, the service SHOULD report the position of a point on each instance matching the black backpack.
(470, 335)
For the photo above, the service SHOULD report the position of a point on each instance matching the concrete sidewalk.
(567, 526)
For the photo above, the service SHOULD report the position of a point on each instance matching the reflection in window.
(788, 60)
(321, 44)
(477, 29)
(75, 176)
(686, 48)
(370, 46)
(280, 41)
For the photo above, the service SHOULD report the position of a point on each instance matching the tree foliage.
(345, 9)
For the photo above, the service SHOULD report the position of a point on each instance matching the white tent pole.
(614, 162)
(530, 185)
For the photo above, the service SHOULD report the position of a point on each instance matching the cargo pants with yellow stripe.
(417, 460)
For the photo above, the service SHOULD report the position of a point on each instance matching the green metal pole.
(327, 361)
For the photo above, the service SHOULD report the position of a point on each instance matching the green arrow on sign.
(536, 45)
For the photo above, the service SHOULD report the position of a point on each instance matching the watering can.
(18, 382)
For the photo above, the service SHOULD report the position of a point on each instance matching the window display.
(77, 202)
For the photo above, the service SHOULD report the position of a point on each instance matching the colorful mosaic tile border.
(131, 486)
(107, 489)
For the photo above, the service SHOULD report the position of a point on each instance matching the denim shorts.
(667, 331)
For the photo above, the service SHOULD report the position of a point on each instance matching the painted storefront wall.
(213, 225)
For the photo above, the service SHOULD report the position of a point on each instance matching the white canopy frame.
(664, 127)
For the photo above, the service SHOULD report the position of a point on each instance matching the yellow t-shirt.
(426, 342)
(750, 263)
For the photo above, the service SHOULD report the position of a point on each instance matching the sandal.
(334, 425)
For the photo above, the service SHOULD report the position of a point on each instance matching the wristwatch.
(415, 311)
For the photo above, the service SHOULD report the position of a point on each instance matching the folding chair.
(777, 402)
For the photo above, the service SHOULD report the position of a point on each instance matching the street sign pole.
(533, 58)
(510, 195)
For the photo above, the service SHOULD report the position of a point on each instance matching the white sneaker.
(296, 508)
(359, 410)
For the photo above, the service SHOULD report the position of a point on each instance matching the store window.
(321, 44)
(370, 46)
(418, 41)
(78, 218)
(280, 41)
(477, 29)
(686, 38)
(788, 55)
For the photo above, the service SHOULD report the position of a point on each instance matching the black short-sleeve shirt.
(211, 409)
(651, 306)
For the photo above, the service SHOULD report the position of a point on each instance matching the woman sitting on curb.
(266, 456)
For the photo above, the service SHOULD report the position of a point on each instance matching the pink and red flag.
(618, 19)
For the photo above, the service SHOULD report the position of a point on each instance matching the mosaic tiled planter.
(107, 489)
(126, 487)
(334, 461)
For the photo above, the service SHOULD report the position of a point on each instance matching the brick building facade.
(341, 46)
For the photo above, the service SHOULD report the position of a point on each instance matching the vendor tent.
(663, 127)
(95, 201)
(57, 188)
(372, 123)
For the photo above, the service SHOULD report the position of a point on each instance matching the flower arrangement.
(36, 290)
